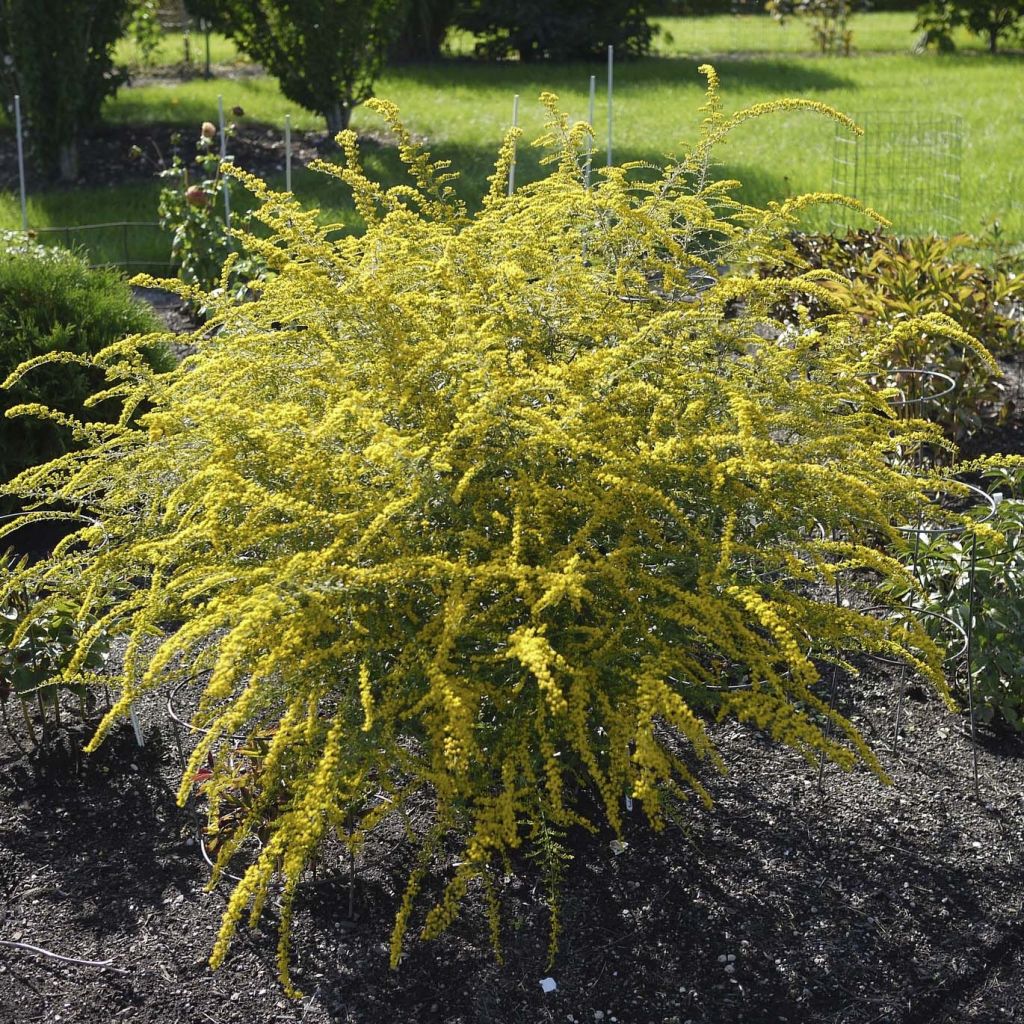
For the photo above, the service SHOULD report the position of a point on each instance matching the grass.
(179, 48)
(462, 108)
(877, 32)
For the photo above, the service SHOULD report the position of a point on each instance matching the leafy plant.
(34, 651)
(828, 21)
(895, 281)
(52, 302)
(146, 30)
(944, 565)
(192, 208)
(494, 514)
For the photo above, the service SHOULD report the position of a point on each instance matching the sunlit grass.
(876, 32)
(462, 108)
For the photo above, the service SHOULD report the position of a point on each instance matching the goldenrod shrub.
(495, 514)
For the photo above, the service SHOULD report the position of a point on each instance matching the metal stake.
(21, 162)
(590, 137)
(287, 152)
(611, 64)
(512, 165)
(223, 157)
(970, 666)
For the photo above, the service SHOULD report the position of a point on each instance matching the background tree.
(423, 31)
(326, 54)
(57, 54)
(993, 19)
(557, 29)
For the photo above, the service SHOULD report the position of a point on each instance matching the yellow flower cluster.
(478, 510)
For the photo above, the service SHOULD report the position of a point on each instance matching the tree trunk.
(68, 160)
(338, 116)
(993, 38)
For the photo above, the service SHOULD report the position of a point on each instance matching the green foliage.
(34, 651)
(52, 302)
(423, 32)
(145, 29)
(57, 55)
(995, 20)
(494, 514)
(894, 281)
(326, 54)
(944, 567)
(828, 20)
(192, 209)
(557, 29)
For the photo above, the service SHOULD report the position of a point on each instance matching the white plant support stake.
(21, 163)
(590, 137)
(223, 157)
(136, 727)
(611, 64)
(287, 152)
(512, 165)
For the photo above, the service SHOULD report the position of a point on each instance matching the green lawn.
(878, 32)
(463, 108)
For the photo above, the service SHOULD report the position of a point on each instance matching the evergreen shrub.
(51, 301)
(496, 515)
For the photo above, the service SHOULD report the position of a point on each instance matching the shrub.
(993, 19)
(828, 20)
(52, 302)
(894, 281)
(325, 54)
(557, 29)
(496, 514)
(944, 565)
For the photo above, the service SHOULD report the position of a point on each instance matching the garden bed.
(856, 903)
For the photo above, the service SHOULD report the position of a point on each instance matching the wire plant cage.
(134, 246)
(905, 166)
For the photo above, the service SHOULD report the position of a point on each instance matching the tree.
(994, 19)
(423, 31)
(557, 29)
(326, 54)
(57, 55)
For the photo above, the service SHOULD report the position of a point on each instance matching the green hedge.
(51, 300)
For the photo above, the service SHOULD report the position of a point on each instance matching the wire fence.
(906, 167)
(132, 245)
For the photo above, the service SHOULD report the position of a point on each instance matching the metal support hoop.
(928, 614)
(936, 531)
(950, 384)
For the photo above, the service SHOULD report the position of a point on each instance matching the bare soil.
(854, 903)
(107, 154)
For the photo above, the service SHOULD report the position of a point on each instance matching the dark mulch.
(857, 903)
(105, 154)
